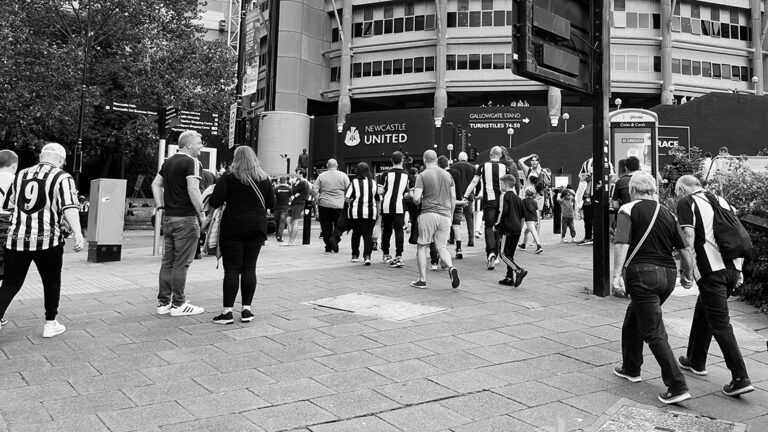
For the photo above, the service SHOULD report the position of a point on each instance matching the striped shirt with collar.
(395, 184)
(490, 173)
(694, 211)
(363, 196)
(40, 194)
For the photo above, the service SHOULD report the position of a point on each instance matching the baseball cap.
(55, 148)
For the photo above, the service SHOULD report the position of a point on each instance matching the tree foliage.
(145, 52)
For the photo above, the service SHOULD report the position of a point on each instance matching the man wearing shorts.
(435, 192)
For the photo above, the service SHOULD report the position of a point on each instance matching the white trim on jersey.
(705, 224)
(395, 185)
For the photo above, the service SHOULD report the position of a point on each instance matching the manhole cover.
(377, 306)
(628, 416)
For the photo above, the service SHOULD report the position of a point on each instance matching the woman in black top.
(248, 194)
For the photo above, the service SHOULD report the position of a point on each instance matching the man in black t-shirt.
(621, 190)
(463, 172)
(282, 207)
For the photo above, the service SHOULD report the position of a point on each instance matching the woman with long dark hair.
(363, 197)
(248, 193)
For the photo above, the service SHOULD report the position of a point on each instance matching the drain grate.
(377, 306)
(629, 416)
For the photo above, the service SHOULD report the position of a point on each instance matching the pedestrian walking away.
(531, 220)
(42, 199)
(329, 191)
(362, 196)
(651, 233)
(716, 278)
(510, 225)
(434, 190)
(282, 207)
(248, 194)
(176, 189)
(394, 185)
(463, 172)
(299, 194)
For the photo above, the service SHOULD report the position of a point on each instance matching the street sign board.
(554, 43)
(232, 124)
(147, 110)
(205, 123)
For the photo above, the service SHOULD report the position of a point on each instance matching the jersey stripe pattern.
(363, 195)
(40, 195)
(490, 173)
(700, 216)
(395, 184)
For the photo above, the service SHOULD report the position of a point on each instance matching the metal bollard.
(307, 228)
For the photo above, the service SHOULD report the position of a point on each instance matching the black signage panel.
(147, 110)
(376, 135)
(203, 122)
(669, 137)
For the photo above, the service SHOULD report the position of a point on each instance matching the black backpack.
(732, 239)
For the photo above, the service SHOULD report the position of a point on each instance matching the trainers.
(367, 261)
(685, 363)
(186, 309)
(3, 322)
(396, 262)
(585, 242)
(521, 246)
(53, 328)
(459, 254)
(454, 275)
(163, 309)
(539, 249)
(434, 266)
(521, 274)
(355, 258)
(246, 315)
(334, 244)
(508, 281)
(478, 234)
(387, 259)
(620, 372)
(669, 397)
(738, 387)
(419, 284)
(470, 244)
(491, 261)
(225, 318)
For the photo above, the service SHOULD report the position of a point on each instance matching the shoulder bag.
(642, 239)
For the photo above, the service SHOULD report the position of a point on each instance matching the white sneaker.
(164, 309)
(186, 309)
(53, 328)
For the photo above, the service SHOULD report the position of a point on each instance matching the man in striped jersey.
(41, 195)
(489, 174)
(394, 184)
(717, 277)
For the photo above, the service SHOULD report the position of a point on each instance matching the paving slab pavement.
(537, 357)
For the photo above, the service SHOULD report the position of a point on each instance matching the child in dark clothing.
(510, 225)
(531, 219)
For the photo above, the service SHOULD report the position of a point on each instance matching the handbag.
(212, 235)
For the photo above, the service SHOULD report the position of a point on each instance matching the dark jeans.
(328, 218)
(492, 237)
(239, 258)
(711, 318)
(469, 216)
(587, 210)
(48, 263)
(392, 222)
(364, 228)
(281, 217)
(649, 286)
(180, 234)
(566, 223)
(508, 246)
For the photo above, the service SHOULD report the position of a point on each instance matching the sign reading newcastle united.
(394, 133)
(381, 133)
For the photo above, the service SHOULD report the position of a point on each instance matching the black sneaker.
(669, 397)
(470, 244)
(620, 372)
(334, 244)
(225, 318)
(459, 254)
(396, 262)
(585, 242)
(738, 387)
(491, 261)
(521, 246)
(454, 275)
(685, 363)
(246, 315)
(419, 284)
(539, 249)
(508, 281)
(521, 274)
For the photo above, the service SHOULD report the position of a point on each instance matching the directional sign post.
(203, 122)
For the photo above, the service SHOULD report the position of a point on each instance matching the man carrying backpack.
(717, 274)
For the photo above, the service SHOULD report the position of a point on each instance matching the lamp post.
(755, 80)
(566, 116)
(77, 162)
(450, 151)
(618, 103)
(510, 132)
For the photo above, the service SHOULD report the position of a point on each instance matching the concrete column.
(345, 103)
(667, 97)
(441, 94)
(757, 45)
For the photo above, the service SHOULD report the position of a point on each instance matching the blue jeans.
(711, 318)
(180, 242)
(649, 286)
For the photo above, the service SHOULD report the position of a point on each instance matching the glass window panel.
(695, 10)
(376, 68)
(368, 14)
(388, 26)
(657, 63)
(409, 7)
(706, 69)
(418, 65)
(487, 61)
(734, 16)
(619, 5)
(631, 63)
(389, 11)
(487, 19)
(387, 67)
(676, 65)
(726, 70)
(725, 31)
(366, 69)
(451, 19)
(498, 61)
(474, 18)
(378, 27)
(498, 18)
(409, 23)
(429, 64)
(715, 29)
(676, 23)
(486, 5)
(716, 71)
(419, 23)
(429, 22)
(450, 62)
(656, 21)
(474, 61)
(706, 27)
(677, 9)
(463, 5)
(367, 28)
(357, 30)
(463, 19)
(715, 12)
(686, 69)
(744, 73)
(507, 61)
(334, 34)
(644, 63)
(408, 65)
(631, 20)
(399, 25)
(695, 68)
(644, 21)
(742, 32)
(735, 73)
(619, 62)
(696, 26)
(357, 70)
(461, 62)
(685, 24)
(397, 66)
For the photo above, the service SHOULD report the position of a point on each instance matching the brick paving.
(537, 357)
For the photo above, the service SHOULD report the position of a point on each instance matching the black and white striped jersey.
(40, 194)
(395, 184)
(490, 173)
(363, 195)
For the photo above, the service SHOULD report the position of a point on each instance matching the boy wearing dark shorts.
(510, 226)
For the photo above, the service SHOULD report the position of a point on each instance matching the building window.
(450, 62)
(486, 5)
(695, 10)
(734, 16)
(474, 61)
(644, 21)
(509, 18)
(387, 67)
(499, 18)
(357, 70)
(716, 71)
(487, 19)
(398, 25)
(644, 64)
(706, 27)
(657, 63)
(462, 19)
(368, 14)
(735, 73)
(463, 5)
(429, 23)
(619, 63)
(686, 24)
(461, 62)
(474, 18)
(676, 65)
(429, 64)
(419, 23)
(335, 76)
(409, 23)
(631, 63)
(686, 69)
(408, 65)
(409, 7)
(706, 69)
(498, 61)
(376, 68)
(725, 31)
(656, 18)
(676, 26)
(486, 61)
(389, 11)
(397, 66)
(508, 61)
(451, 19)
(745, 73)
(743, 33)
(335, 34)
(368, 29)
(366, 69)
(695, 68)
(418, 65)
(726, 70)
(357, 30)
(631, 20)
(619, 5)
(715, 13)
(378, 27)
(696, 26)
(388, 26)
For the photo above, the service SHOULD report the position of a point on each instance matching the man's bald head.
(463, 156)
(332, 164)
(496, 153)
(430, 157)
(687, 185)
